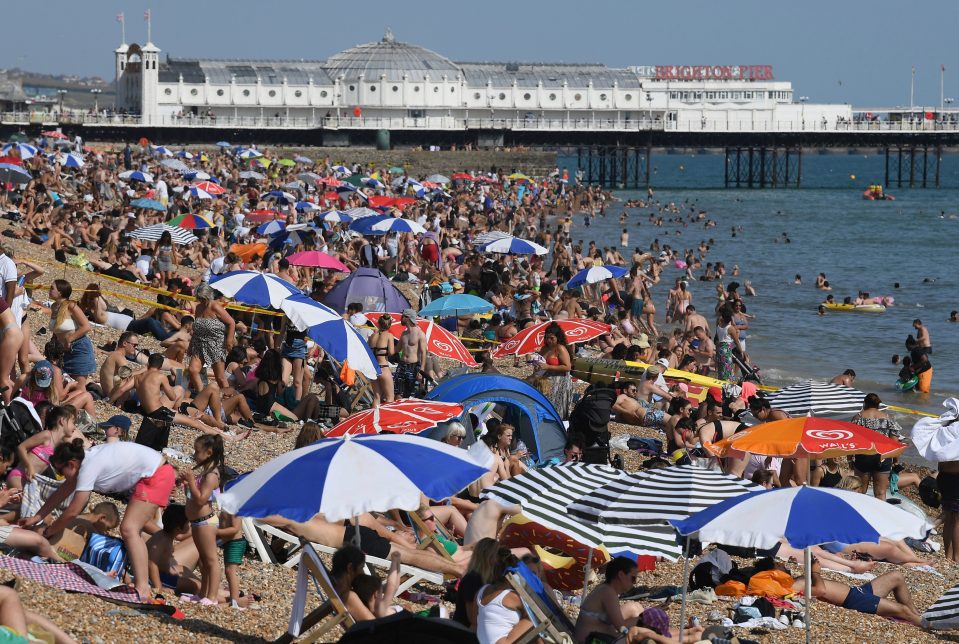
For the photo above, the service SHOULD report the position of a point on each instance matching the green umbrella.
(287, 162)
(355, 179)
(397, 170)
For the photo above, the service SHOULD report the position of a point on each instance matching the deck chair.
(549, 620)
(331, 613)
(254, 532)
(426, 538)
(361, 393)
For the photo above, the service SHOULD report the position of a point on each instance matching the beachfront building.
(395, 85)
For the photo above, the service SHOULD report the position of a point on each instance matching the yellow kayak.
(856, 308)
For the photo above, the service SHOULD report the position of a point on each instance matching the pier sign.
(713, 72)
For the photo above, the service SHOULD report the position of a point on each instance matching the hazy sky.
(834, 51)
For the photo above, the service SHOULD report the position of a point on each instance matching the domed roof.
(392, 59)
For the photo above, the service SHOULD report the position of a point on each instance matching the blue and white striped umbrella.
(280, 196)
(336, 217)
(361, 212)
(514, 246)
(25, 150)
(329, 330)
(384, 224)
(257, 289)
(343, 478)
(306, 206)
(308, 178)
(195, 175)
(341, 170)
(271, 228)
(291, 238)
(804, 516)
(175, 164)
(376, 184)
(71, 160)
(223, 144)
(161, 150)
(13, 173)
(302, 159)
(252, 174)
(596, 274)
(200, 193)
(249, 153)
(183, 154)
(136, 175)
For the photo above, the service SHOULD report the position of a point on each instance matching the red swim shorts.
(157, 489)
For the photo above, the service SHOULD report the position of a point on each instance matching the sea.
(906, 249)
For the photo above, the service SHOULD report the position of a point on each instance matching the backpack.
(18, 422)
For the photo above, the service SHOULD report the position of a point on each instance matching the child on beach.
(202, 511)
(165, 569)
(33, 454)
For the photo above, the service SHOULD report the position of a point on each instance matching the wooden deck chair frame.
(254, 531)
(539, 614)
(426, 538)
(362, 390)
(331, 613)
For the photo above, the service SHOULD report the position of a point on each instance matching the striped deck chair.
(550, 622)
(361, 393)
(331, 613)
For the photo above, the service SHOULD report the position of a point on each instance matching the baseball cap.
(43, 373)
(358, 319)
(116, 421)
(410, 313)
(663, 362)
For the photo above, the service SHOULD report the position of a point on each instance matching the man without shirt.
(412, 346)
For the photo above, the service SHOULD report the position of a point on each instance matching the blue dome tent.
(519, 404)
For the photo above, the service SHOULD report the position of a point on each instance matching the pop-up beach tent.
(369, 287)
(519, 404)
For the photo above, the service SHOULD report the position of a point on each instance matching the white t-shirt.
(8, 272)
(117, 467)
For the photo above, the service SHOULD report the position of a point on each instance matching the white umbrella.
(337, 336)
(252, 287)
(252, 174)
(175, 164)
(180, 236)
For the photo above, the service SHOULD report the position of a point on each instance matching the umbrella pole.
(807, 556)
(356, 534)
(589, 569)
(682, 607)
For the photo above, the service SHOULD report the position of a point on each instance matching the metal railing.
(455, 123)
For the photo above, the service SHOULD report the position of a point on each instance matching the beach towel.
(35, 494)
(106, 553)
(73, 578)
(770, 583)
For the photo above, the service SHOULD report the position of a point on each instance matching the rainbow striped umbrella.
(190, 221)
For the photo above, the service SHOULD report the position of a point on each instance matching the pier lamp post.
(96, 91)
(802, 100)
(62, 93)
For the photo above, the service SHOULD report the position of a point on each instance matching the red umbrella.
(332, 182)
(261, 216)
(405, 416)
(13, 160)
(378, 201)
(210, 187)
(463, 176)
(530, 339)
(55, 135)
(439, 341)
(317, 259)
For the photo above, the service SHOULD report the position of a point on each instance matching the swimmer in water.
(798, 280)
(821, 311)
(953, 316)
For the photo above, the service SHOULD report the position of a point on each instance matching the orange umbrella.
(247, 252)
(439, 341)
(807, 437)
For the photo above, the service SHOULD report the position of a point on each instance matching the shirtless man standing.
(412, 346)
(694, 319)
(846, 378)
(704, 352)
(159, 400)
(923, 341)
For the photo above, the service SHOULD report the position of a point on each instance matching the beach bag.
(929, 492)
(770, 583)
(347, 375)
(731, 588)
(106, 553)
(18, 422)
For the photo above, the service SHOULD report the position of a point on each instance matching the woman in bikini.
(383, 345)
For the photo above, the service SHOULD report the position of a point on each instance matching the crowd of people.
(224, 371)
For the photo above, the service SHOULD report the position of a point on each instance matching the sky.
(832, 52)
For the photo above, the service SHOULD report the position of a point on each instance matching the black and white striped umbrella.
(944, 613)
(818, 399)
(180, 236)
(656, 495)
(544, 494)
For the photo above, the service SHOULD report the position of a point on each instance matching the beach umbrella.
(148, 204)
(175, 164)
(199, 193)
(514, 246)
(341, 170)
(518, 176)
(807, 437)
(286, 163)
(280, 196)
(195, 175)
(438, 178)
(271, 228)
(223, 144)
(345, 478)
(302, 159)
(463, 176)
(252, 174)
(71, 160)
(439, 341)
(543, 494)
(597, 274)
(249, 153)
(210, 187)
(384, 224)
(183, 154)
(944, 612)
(249, 252)
(306, 206)
(309, 178)
(291, 237)
(17, 161)
(817, 399)
(13, 173)
(260, 216)
(361, 212)
(52, 134)
(657, 494)
(317, 259)
(153, 233)
(24, 150)
(190, 221)
(336, 217)
(531, 339)
(136, 175)
(331, 182)
(329, 330)
(404, 416)
(161, 150)
(456, 304)
(803, 516)
(254, 288)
